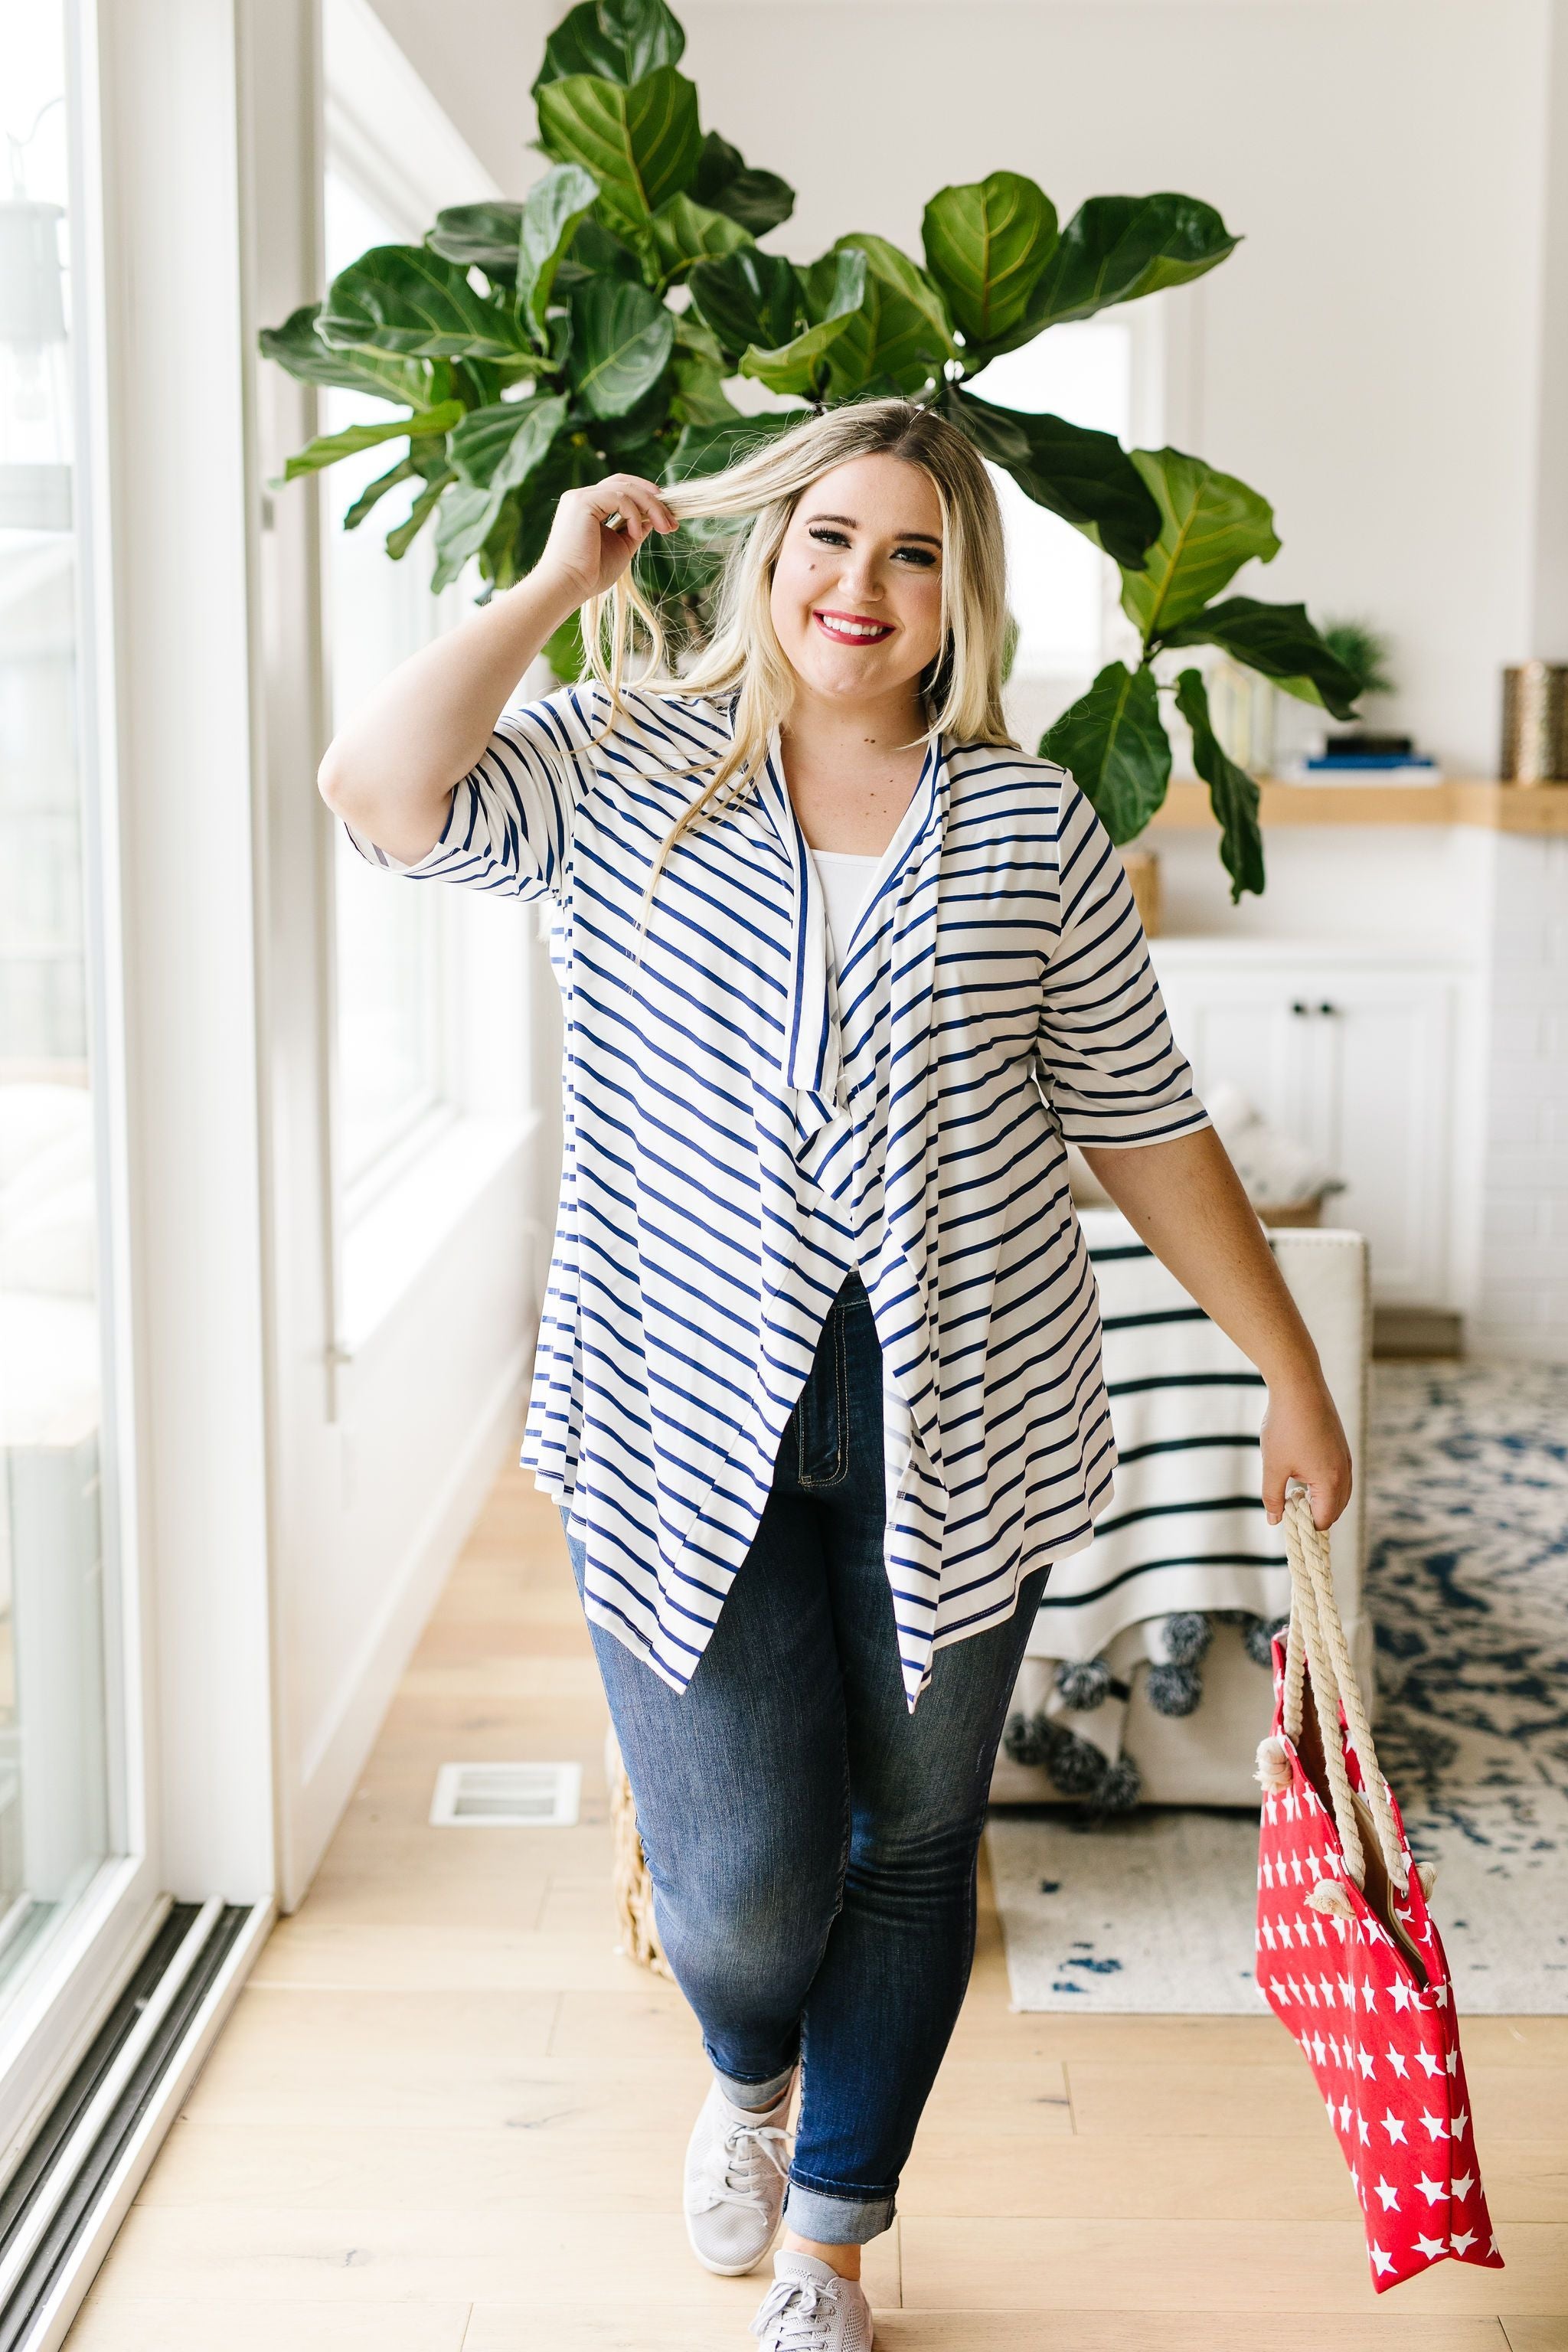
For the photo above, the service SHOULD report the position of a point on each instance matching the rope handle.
(1316, 1645)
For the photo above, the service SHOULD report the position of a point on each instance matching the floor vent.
(506, 1796)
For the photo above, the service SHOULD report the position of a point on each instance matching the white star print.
(1368, 1995)
(1310, 1990)
(1462, 2240)
(1317, 2049)
(1428, 2063)
(1296, 1869)
(1345, 2116)
(1393, 2127)
(1460, 2120)
(1430, 2190)
(1435, 2124)
(1462, 2184)
(1384, 2261)
(1267, 1933)
(1327, 1986)
(1367, 2062)
(1361, 2125)
(1317, 1929)
(1452, 2061)
(1347, 1987)
(1396, 2060)
(1440, 1995)
(1430, 2247)
(1277, 1988)
(1390, 2196)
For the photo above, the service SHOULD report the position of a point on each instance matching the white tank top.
(845, 878)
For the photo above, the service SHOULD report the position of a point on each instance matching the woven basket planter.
(632, 1885)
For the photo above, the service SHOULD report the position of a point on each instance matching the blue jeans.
(811, 1845)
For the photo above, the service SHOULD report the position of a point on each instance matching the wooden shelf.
(1501, 808)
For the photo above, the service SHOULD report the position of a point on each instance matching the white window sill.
(388, 1248)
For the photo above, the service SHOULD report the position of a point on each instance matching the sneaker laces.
(747, 2147)
(805, 2309)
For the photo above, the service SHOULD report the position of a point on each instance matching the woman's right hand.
(582, 555)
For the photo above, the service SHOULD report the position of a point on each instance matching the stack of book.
(1364, 758)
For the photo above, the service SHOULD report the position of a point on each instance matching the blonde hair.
(964, 684)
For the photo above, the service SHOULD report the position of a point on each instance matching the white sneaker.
(737, 2164)
(809, 2308)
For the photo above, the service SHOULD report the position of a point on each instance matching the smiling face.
(856, 590)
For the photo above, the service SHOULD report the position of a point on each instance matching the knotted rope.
(1316, 1645)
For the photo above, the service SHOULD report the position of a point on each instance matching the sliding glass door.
(67, 1799)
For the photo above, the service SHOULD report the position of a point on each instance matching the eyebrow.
(930, 538)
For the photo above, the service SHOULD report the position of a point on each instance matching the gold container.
(1143, 872)
(1535, 723)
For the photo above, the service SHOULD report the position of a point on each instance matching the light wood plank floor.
(448, 2117)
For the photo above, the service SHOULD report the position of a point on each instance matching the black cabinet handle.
(1299, 1009)
(1328, 1008)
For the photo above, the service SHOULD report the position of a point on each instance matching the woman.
(819, 1388)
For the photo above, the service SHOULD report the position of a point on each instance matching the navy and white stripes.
(743, 1127)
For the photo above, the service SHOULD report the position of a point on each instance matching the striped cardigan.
(744, 1125)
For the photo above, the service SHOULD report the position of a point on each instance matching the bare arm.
(1185, 1199)
(391, 770)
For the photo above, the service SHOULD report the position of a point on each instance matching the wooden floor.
(446, 2117)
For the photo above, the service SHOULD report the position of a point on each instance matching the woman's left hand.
(1303, 1438)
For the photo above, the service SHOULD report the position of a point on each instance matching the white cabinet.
(1360, 1058)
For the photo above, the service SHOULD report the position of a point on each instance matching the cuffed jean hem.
(833, 2220)
(742, 2094)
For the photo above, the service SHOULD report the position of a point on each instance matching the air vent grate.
(506, 1796)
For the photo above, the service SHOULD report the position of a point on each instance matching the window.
(1060, 584)
(59, 1759)
(391, 960)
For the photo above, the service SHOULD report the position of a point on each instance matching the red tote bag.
(1348, 1958)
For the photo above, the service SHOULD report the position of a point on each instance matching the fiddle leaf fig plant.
(603, 323)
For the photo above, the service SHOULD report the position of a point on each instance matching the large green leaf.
(594, 253)
(1087, 477)
(900, 333)
(496, 456)
(758, 200)
(1117, 248)
(621, 337)
(373, 492)
(835, 290)
(406, 301)
(1114, 746)
(986, 244)
(700, 369)
(551, 212)
(482, 236)
(620, 40)
(296, 345)
(1233, 795)
(328, 447)
(488, 436)
(1210, 525)
(683, 233)
(1277, 640)
(748, 297)
(709, 448)
(401, 538)
(641, 144)
(462, 527)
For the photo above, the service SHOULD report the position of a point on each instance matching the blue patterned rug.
(1468, 1580)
